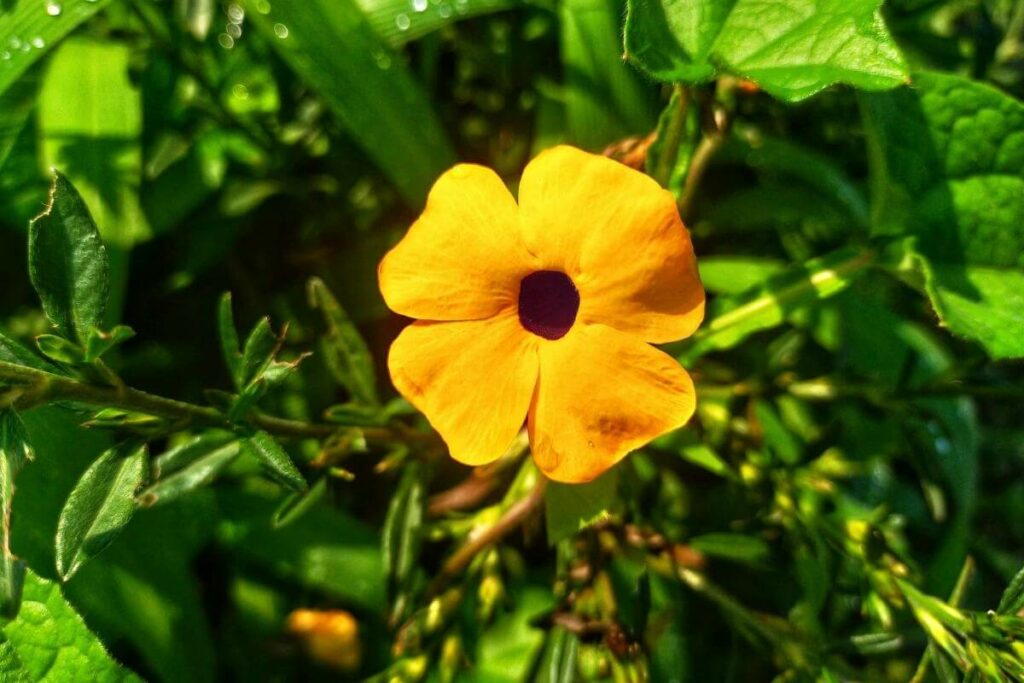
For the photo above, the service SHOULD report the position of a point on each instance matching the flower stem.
(673, 137)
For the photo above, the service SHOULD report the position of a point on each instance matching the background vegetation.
(845, 506)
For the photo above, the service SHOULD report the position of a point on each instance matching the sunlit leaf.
(790, 48)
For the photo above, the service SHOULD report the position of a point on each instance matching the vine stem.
(39, 386)
(673, 138)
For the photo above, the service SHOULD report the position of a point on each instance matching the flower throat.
(548, 303)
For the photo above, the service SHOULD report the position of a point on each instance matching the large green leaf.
(29, 29)
(68, 263)
(331, 45)
(53, 644)
(948, 171)
(791, 48)
(604, 99)
(15, 451)
(99, 507)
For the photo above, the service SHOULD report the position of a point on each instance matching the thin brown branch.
(516, 514)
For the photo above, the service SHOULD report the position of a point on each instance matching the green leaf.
(736, 274)
(188, 467)
(53, 644)
(228, 333)
(777, 437)
(90, 118)
(15, 106)
(11, 668)
(101, 342)
(769, 305)
(791, 48)
(1013, 597)
(605, 101)
(15, 451)
(558, 665)
(331, 45)
(32, 31)
(299, 503)
(260, 347)
(68, 263)
(60, 349)
(572, 507)
(13, 352)
(403, 527)
(343, 348)
(100, 506)
(948, 172)
(736, 547)
(401, 21)
(277, 462)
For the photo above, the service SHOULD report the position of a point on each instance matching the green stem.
(673, 137)
(962, 581)
(41, 387)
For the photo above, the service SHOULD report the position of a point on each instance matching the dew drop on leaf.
(54, 8)
(281, 31)
(402, 22)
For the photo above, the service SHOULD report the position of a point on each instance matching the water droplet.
(240, 91)
(419, 5)
(445, 10)
(53, 8)
(4, 55)
(233, 30)
(402, 22)
(462, 6)
(383, 60)
(226, 41)
(281, 31)
(236, 13)
(263, 6)
(15, 43)
(38, 42)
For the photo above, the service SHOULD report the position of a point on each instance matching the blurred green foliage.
(843, 507)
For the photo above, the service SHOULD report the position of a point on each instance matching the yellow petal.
(473, 380)
(618, 235)
(602, 393)
(464, 257)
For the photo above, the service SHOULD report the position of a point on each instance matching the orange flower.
(542, 312)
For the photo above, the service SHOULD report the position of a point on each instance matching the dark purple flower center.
(548, 302)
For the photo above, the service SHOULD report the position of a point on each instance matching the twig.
(42, 387)
(516, 514)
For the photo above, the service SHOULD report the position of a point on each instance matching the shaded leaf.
(15, 451)
(260, 347)
(188, 467)
(403, 527)
(331, 45)
(100, 342)
(343, 348)
(299, 503)
(68, 263)
(736, 547)
(228, 333)
(14, 352)
(604, 99)
(277, 462)
(100, 506)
